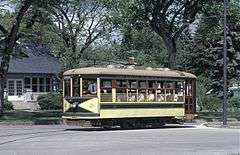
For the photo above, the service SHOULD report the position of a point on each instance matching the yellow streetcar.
(128, 96)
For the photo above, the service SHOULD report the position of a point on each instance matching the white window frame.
(15, 97)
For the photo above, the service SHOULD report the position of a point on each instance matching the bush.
(202, 89)
(50, 101)
(234, 102)
(7, 105)
(213, 103)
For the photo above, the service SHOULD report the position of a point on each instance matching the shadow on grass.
(34, 117)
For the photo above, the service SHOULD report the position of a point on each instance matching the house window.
(38, 84)
(41, 85)
(27, 83)
(19, 88)
(48, 84)
(15, 87)
(35, 84)
(11, 88)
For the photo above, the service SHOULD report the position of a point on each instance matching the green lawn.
(36, 117)
(217, 116)
(54, 117)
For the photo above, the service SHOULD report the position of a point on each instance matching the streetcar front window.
(67, 87)
(76, 86)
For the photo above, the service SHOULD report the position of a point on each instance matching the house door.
(15, 89)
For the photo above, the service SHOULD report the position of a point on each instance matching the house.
(31, 76)
(235, 89)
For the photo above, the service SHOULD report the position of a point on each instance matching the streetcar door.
(190, 107)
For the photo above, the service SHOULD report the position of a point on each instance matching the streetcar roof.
(130, 71)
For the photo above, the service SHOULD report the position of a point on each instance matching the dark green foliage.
(234, 102)
(213, 103)
(7, 105)
(202, 89)
(146, 46)
(168, 19)
(51, 101)
(206, 57)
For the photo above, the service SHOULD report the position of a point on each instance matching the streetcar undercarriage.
(124, 123)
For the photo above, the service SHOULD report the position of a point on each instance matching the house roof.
(39, 60)
(130, 71)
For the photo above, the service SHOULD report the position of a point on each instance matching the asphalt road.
(65, 140)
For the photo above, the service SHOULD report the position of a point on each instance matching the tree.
(79, 23)
(7, 44)
(11, 33)
(145, 45)
(207, 49)
(167, 18)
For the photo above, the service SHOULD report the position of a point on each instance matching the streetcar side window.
(121, 90)
(89, 87)
(106, 90)
(179, 92)
(142, 95)
(170, 91)
(151, 94)
(132, 90)
(160, 91)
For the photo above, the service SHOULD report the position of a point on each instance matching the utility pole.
(225, 65)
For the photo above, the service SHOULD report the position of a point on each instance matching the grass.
(35, 117)
(217, 116)
(54, 117)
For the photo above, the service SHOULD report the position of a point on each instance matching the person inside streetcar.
(92, 88)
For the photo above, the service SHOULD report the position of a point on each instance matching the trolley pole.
(225, 65)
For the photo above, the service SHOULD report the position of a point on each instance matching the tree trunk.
(3, 73)
(8, 49)
(170, 44)
(2, 82)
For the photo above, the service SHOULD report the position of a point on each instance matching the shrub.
(202, 89)
(7, 105)
(234, 102)
(213, 103)
(50, 101)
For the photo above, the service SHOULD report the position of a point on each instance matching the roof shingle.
(38, 61)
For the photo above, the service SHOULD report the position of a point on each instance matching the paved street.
(65, 140)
